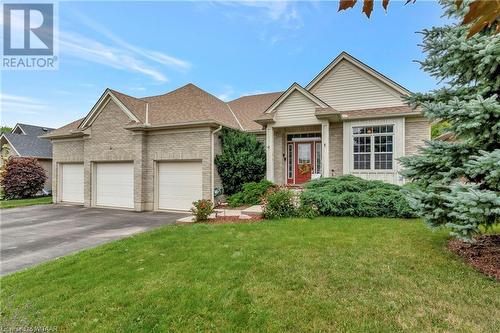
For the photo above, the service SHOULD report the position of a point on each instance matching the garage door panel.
(179, 184)
(114, 185)
(72, 183)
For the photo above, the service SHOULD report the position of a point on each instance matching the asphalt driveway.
(31, 235)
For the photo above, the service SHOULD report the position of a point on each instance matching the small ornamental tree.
(459, 181)
(22, 177)
(243, 160)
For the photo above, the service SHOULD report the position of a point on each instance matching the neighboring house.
(24, 141)
(157, 152)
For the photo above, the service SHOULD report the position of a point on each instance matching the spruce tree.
(458, 183)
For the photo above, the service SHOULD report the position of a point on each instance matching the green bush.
(242, 160)
(251, 194)
(280, 202)
(353, 196)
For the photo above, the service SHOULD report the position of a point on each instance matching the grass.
(25, 202)
(328, 274)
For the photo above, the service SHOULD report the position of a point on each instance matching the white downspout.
(147, 114)
(213, 162)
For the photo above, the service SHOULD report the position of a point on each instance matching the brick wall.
(336, 149)
(110, 141)
(64, 150)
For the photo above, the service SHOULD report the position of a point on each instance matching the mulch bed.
(233, 220)
(483, 254)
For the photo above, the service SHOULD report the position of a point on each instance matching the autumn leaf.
(385, 3)
(481, 14)
(345, 4)
(368, 7)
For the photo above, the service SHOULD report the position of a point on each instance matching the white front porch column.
(269, 153)
(325, 144)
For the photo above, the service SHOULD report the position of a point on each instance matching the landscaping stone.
(187, 219)
(253, 210)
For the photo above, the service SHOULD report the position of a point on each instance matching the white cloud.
(88, 49)
(20, 104)
(276, 19)
(117, 53)
(227, 93)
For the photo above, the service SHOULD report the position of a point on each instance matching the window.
(362, 153)
(373, 143)
(318, 157)
(290, 161)
(304, 153)
(291, 137)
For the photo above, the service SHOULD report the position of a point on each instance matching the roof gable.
(294, 107)
(347, 87)
(344, 56)
(295, 87)
(119, 99)
(28, 145)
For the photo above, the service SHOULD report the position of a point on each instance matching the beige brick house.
(157, 153)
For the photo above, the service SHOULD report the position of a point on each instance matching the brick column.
(139, 140)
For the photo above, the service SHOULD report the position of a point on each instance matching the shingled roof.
(249, 108)
(29, 144)
(185, 105)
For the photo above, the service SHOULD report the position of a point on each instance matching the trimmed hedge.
(353, 196)
(251, 194)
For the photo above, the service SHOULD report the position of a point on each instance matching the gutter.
(144, 127)
(213, 163)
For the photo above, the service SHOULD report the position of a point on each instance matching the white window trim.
(398, 144)
(372, 149)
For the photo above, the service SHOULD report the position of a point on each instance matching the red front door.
(303, 161)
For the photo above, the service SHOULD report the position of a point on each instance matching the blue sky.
(227, 48)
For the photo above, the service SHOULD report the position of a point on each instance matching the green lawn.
(25, 202)
(328, 274)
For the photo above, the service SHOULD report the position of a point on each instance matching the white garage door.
(72, 183)
(114, 185)
(179, 184)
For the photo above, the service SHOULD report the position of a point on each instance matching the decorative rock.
(187, 219)
(253, 210)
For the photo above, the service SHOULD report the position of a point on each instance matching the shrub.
(242, 160)
(251, 194)
(202, 209)
(280, 202)
(353, 196)
(22, 177)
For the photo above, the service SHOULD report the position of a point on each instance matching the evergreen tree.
(459, 182)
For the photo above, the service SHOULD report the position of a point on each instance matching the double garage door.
(178, 184)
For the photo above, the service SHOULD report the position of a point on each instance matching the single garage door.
(179, 184)
(71, 183)
(114, 185)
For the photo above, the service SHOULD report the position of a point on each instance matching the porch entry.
(303, 157)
